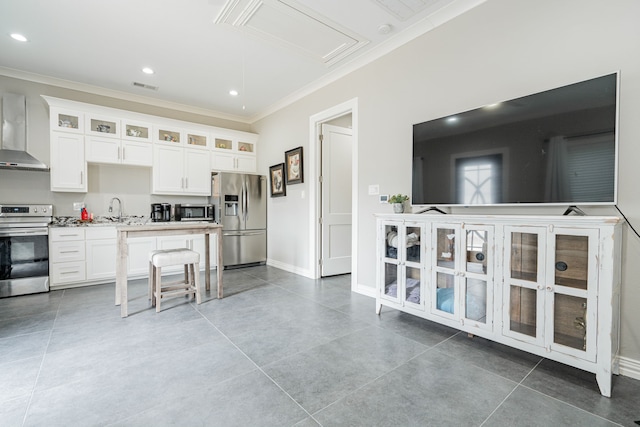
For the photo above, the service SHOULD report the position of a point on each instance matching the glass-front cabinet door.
(571, 292)
(524, 281)
(463, 273)
(402, 266)
(477, 286)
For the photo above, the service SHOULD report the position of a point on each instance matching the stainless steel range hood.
(13, 150)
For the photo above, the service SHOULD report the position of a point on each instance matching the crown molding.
(97, 90)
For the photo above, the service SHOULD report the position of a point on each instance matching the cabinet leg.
(378, 308)
(603, 377)
(470, 335)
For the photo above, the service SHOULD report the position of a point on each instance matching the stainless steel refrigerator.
(240, 202)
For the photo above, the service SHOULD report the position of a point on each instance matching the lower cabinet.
(82, 256)
(548, 285)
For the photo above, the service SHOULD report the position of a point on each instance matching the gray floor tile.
(525, 407)
(579, 388)
(279, 350)
(326, 373)
(428, 390)
(251, 400)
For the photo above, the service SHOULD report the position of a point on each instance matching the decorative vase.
(398, 207)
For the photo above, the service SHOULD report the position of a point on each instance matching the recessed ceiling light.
(148, 70)
(452, 119)
(233, 92)
(18, 37)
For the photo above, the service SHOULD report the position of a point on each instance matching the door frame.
(315, 242)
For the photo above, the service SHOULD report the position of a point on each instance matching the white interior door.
(337, 148)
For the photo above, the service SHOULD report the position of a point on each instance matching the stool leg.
(158, 280)
(151, 282)
(196, 280)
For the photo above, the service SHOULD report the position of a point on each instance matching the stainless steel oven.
(24, 249)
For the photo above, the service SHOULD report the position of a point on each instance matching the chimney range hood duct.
(13, 149)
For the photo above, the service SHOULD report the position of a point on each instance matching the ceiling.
(270, 51)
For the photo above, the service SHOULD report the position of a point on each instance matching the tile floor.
(278, 350)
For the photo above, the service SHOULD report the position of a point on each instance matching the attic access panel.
(290, 25)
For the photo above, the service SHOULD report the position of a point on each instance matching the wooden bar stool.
(190, 284)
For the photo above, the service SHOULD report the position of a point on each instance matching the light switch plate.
(77, 206)
(374, 189)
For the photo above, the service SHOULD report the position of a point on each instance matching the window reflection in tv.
(553, 147)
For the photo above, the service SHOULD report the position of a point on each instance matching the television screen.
(554, 147)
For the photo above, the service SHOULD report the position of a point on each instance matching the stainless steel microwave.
(193, 212)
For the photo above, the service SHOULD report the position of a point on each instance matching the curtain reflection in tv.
(479, 180)
(556, 186)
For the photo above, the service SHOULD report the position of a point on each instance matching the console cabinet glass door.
(477, 286)
(445, 288)
(402, 266)
(571, 292)
(524, 282)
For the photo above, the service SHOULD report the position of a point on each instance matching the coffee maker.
(160, 212)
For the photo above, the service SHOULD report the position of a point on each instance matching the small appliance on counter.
(192, 212)
(160, 212)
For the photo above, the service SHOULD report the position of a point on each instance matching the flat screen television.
(557, 147)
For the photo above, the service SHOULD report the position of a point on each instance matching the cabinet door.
(246, 163)
(136, 153)
(390, 276)
(101, 259)
(445, 289)
(167, 170)
(477, 276)
(524, 283)
(197, 172)
(222, 161)
(412, 265)
(139, 248)
(571, 292)
(68, 166)
(102, 150)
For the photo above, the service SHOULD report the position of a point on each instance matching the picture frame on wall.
(293, 160)
(278, 184)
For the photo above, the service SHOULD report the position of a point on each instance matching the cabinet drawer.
(68, 272)
(67, 251)
(59, 234)
(95, 233)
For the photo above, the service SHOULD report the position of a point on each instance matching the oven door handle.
(17, 232)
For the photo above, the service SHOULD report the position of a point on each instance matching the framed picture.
(293, 160)
(278, 185)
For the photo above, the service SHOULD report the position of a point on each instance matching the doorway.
(338, 115)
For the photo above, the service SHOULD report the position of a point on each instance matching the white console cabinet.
(549, 285)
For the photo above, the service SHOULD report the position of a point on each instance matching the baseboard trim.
(290, 268)
(629, 367)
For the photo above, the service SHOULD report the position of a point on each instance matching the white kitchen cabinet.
(101, 252)
(117, 151)
(66, 256)
(134, 130)
(66, 120)
(68, 165)
(549, 285)
(234, 154)
(181, 171)
(101, 126)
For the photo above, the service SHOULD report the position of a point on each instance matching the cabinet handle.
(186, 182)
(549, 288)
(123, 153)
(119, 158)
(69, 252)
(81, 178)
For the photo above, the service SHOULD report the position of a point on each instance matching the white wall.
(500, 50)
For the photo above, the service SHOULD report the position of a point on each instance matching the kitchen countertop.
(73, 221)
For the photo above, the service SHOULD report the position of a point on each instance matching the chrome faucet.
(119, 207)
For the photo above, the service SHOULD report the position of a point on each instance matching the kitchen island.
(153, 229)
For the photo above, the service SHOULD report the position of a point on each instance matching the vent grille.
(145, 86)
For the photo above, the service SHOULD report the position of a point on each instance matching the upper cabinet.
(66, 120)
(234, 153)
(120, 137)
